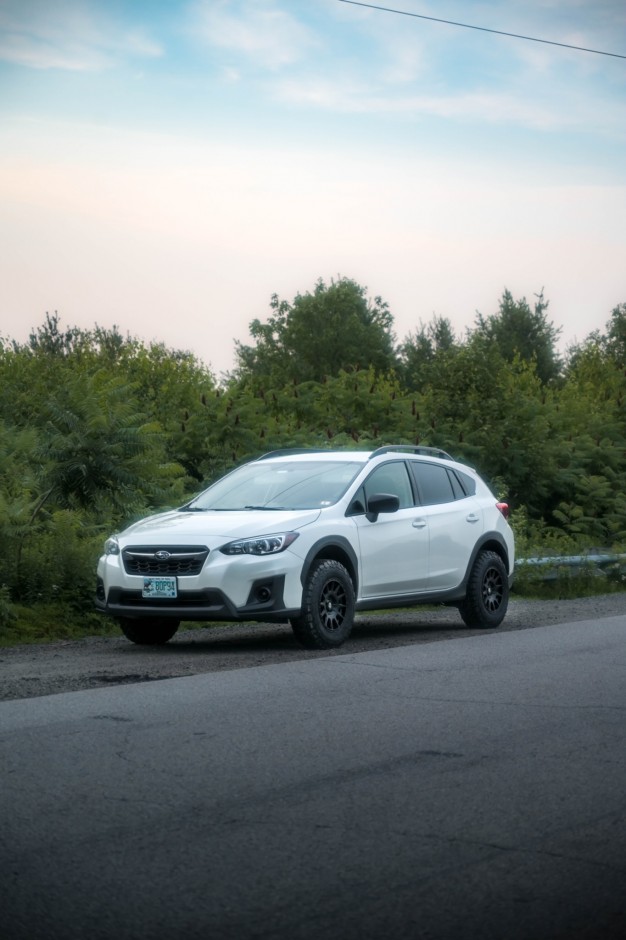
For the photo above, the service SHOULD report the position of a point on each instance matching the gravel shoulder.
(93, 662)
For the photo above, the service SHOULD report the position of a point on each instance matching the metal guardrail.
(553, 566)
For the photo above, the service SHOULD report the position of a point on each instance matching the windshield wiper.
(231, 508)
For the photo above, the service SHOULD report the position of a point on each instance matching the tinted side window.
(459, 492)
(468, 483)
(434, 483)
(357, 506)
(391, 478)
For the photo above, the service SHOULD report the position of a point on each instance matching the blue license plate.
(159, 587)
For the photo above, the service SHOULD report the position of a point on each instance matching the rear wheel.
(327, 607)
(154, 632)
(487, 595)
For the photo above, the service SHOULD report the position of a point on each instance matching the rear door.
(454, 521)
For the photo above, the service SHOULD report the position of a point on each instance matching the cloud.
(39, 53)
(260, 31)
(72, 35)
(352, 96)
(384, 65)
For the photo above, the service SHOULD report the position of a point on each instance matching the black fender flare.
(489, 541)
(335, 547)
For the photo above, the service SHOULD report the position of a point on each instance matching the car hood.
(227, 525)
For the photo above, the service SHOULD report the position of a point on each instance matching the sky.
(167, 166)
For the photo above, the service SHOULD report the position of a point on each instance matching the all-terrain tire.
(327, 612)
(151, 632)
(487, 595)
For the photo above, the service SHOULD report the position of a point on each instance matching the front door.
(394, 548)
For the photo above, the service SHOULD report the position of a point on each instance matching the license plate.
(159, 587)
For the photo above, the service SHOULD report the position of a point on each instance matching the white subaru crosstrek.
(310, 537)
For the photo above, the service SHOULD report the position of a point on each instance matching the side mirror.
(381, 502)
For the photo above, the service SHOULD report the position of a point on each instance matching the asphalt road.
(466, 788)
(97, 662)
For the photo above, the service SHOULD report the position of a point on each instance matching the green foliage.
(421, 354)
(45, 621)
(552, 579)
(334, 328)
(560, 582)
(8, 616)
(79, 454)
(98, 452)
(519, 332)
(57, 561)
(97, 428)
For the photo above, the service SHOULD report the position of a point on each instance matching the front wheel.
(487, 595)
(151, 632)
(327, 607)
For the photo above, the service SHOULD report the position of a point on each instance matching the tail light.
(504, 509)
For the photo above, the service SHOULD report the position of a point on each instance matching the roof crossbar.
(411, 449)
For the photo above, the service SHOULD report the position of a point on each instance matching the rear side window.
(467, 482)
(437, 484)
(457, 489)
(434, 483)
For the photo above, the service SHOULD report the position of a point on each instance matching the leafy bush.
(8, 617)
(47, 622)
(57, 562)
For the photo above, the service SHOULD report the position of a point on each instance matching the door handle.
(419, 523)
(472, 517)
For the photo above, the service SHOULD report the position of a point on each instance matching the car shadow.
(277, 641)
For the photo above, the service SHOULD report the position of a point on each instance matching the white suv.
(310, 537)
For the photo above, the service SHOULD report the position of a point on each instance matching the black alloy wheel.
(327, 607)
(487, 597)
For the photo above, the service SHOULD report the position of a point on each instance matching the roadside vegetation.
(98, 428)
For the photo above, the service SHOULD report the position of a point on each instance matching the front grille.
(183, 559)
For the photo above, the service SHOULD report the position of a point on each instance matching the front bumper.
(266, 602)
(243, 587)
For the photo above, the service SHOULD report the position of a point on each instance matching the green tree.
(610, 344)
(496, 416)
(50, 340)
(317, 335)
(518, 330)
(590, 500)
(97, 452)
(166, 385)
(616, 335)
(421, 350)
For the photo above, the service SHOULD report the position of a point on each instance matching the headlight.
(261, 545)
(112, 546)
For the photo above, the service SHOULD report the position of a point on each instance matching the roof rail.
(292, 451)
(411, 449)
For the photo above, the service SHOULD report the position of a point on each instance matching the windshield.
(286, 485)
